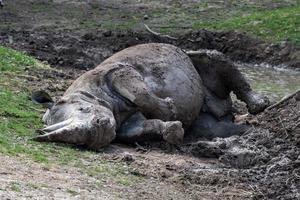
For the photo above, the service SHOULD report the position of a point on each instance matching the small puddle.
(274, 82)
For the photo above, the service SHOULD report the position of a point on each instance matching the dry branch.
(203, 51)
(283, 100)
(159, 34)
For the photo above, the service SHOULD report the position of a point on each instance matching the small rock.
(107, 34)
(10, 39)
(146, 17)
(268, 50)
(128, 158)
(285, 51)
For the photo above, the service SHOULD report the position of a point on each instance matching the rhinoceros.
(145, 92)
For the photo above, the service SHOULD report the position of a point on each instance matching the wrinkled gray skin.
(145, 92)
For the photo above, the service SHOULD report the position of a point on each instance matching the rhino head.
(78, 118)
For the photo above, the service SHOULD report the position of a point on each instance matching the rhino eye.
(85, 110)
(60, 102)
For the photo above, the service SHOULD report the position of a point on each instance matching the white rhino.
(148, 91)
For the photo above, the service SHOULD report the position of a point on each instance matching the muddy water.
(272, 81)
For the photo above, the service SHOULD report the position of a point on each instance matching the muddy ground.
(261, 164)
(85, 50)
(264, 163)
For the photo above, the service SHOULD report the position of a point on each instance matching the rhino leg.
(215, 105)
(134, 89)
(139, 129)
(236, 82)
(209, 127)
(221, 76)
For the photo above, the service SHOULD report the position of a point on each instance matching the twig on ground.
(296, 125)
(295, 174)
(283, 126)
(141, 148)
(202, 51)
(159, 34)
(283, 100)
(173, 27)
(257, 189)
(249, 130)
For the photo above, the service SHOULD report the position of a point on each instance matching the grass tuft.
(14, 61)
(273, 25)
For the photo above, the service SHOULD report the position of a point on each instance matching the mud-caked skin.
(220, 77)
(146, 92)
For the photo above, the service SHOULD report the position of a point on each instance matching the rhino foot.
(256, 102)
(173, 132)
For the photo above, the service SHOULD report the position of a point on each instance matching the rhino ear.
(42, 97)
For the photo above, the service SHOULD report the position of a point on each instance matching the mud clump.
(85, 50)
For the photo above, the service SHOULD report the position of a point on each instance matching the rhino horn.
(55, 126)
(65, 131)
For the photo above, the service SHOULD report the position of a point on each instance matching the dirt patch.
(27, 180)
(85, 50)
(22, 179)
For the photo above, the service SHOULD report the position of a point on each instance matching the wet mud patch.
(87, 49)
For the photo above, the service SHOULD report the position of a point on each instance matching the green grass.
(273, 25)
(19, 118)
(14, 61)
(14, 186)
(18, 121)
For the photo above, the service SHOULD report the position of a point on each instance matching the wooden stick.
(202, 51)
(173, 27)
(283, 100)
(159, 34)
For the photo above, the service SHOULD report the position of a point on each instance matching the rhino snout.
(94, 133)
(103, 132)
